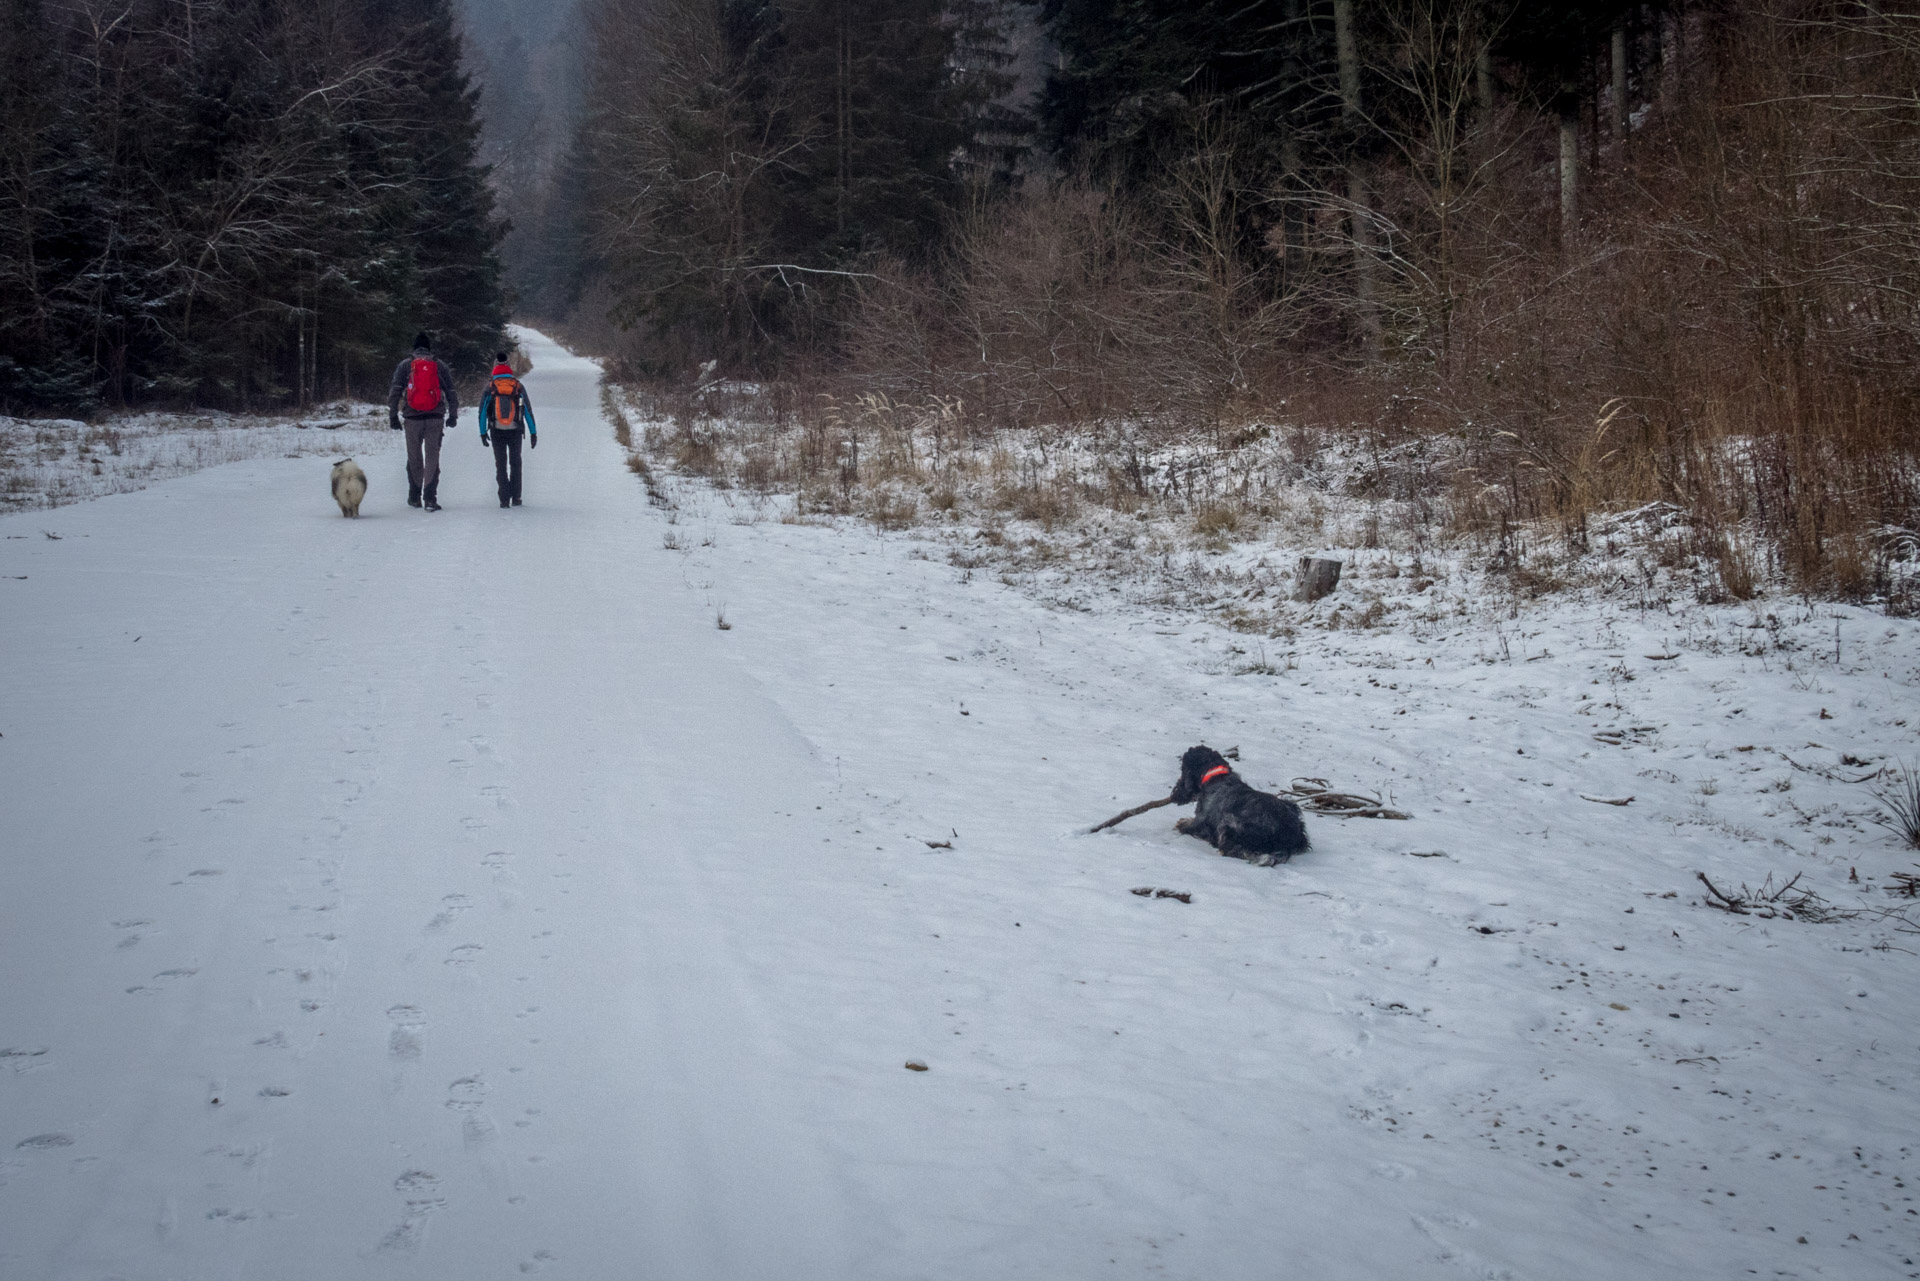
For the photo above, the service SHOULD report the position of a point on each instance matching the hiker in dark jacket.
(422, 394)
(505, 415)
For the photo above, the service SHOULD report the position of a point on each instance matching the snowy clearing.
(52, 462)
(452, 897)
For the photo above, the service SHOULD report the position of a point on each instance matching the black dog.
(1234, 818)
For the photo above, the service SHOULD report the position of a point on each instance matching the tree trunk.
(843, 111)
(1361, 220)
(1669, 60)
(1352, 115)
(1569, 166)
(1292, 218)
(1622, 118)
(1348, 50)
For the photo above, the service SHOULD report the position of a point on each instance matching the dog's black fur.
(1236, 819)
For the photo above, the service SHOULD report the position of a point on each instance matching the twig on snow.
(1767, 902)
(1316, 797)
(1124, 815)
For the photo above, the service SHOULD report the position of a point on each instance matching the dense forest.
(1573, 256)
(236, 203)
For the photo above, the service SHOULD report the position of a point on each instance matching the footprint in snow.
(466, 1097)
(403, 1041)
(450, 907)
(25, 1060)
(466, 1094)
(464, 955)
(1460, 1258)
(45, 1142)
(420, 1189)
(414, 1184)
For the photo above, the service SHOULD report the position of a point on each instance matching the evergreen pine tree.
(45, 186)
(449, 229)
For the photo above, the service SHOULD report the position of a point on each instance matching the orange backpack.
(506, 401)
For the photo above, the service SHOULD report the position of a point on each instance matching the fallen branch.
(1377, 811)
(1124, 815)
(1823, 772)
(1766, 901)
(1316, 797)
(1606, 800)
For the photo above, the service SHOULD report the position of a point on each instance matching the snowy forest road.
(446, 897)
(373, 888)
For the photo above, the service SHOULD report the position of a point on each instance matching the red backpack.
(423, 385)
(506, 402)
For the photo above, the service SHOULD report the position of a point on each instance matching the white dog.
(349, 486)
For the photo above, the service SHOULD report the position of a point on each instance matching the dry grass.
(1899, 797)
(1218, 521)
(1727, 335)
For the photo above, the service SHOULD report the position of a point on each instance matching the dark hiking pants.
(506, 461)
(423, 451)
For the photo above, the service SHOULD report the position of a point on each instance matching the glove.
(533, 442)
(393, 421)
(484, 438)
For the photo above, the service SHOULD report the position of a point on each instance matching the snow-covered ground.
(52, 462)
(451, 897)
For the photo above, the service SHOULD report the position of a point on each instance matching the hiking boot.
(516, 502)
(428, 500)
(413, 495)
(504, 504)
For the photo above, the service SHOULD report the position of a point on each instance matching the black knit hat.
(421, 342)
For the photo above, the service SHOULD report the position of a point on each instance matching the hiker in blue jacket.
(505, 415)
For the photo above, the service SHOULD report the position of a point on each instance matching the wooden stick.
(1329, 802)
(1124, 815)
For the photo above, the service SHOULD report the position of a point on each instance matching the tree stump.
(1319, 575)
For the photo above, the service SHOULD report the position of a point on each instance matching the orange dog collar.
(1216, 772)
